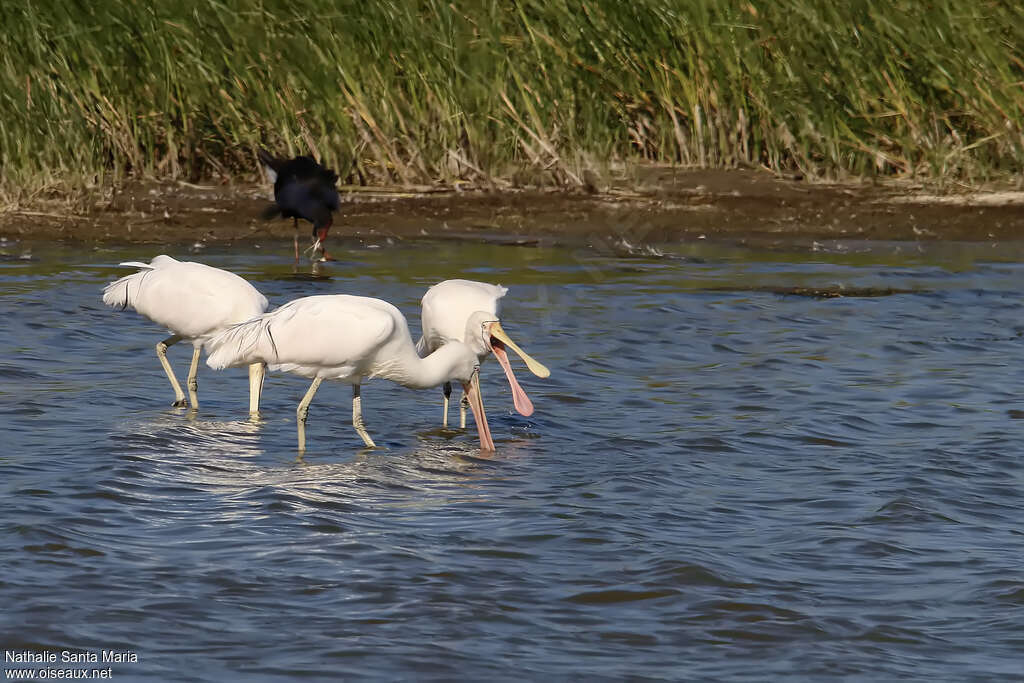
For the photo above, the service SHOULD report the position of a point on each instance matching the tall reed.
(519, 91)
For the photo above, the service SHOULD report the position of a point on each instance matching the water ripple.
(717, 485)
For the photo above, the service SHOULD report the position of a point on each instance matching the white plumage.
(446, 307)
(349, 339)
(194, 302)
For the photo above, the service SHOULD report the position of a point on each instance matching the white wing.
(333, 336)
(189, 299)
(447, 307)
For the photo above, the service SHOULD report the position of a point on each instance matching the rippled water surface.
(721, 480)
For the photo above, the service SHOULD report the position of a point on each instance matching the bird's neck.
(422, 373)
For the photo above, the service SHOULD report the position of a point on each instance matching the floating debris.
(304, 277)
(831, 292)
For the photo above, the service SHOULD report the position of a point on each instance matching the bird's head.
(322, 221)
(484, 335)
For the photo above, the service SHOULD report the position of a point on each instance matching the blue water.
(721, 481)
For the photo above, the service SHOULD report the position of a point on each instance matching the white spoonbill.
(194, 302)
(349, 339)
(446, 308)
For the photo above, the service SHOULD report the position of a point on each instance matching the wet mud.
(667, 206)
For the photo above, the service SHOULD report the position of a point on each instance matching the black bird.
(302, 189)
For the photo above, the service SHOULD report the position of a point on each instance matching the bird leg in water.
(295, 223)
(463, 405)
(193, 383)
(447, 395)
(161, 353)
(303, 410)
(318, 246)
(357, 417)
(257, 371)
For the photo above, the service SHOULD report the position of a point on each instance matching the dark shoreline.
(737, 206)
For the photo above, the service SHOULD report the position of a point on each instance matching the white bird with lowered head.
(350, 339)
(194, 302)
(446, 308)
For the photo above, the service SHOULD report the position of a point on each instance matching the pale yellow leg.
(463, 405)
(161, 353)
(193, 383)
(257, 372)
(303, 410)
(357, 417)
(447, 394)
(295, 222)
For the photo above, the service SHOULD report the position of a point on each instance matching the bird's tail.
(124, 292)
(272, 211)
(136, 264)
(242, 344)
(272, 165)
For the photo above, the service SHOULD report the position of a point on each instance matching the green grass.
(529, 91)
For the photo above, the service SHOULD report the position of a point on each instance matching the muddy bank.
(667, 206)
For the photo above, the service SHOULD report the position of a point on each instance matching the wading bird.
(350, 339)
(446, 307)
(194, 302)
(302, 189)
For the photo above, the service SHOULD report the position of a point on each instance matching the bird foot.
(318, 246)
